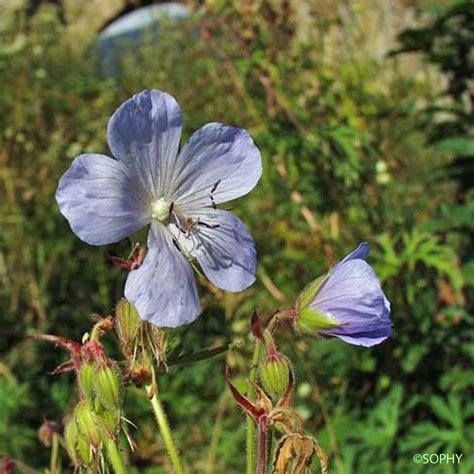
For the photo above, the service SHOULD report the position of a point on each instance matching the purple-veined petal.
(163, 289)
(352, 295)
(223, 247)
(218, 164)
(102, 200)
(144, 133)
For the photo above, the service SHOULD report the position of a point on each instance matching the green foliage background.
(354, 149)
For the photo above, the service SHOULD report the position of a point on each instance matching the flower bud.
(77, 447)
(87, 423)
(86, 379)
(46, 432)
(110, 420)
(347, 303)
(7, 466)
(141, 372)
(70, 439)
(275, 374)
(84, 451)
(107, 386)
(128, 322)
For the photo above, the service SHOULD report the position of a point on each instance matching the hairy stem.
(114, 457)
(262, 449)
(250, 395)
(164, 426)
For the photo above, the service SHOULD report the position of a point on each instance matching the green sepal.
(128, 322)
(311, 321)
(307, 295)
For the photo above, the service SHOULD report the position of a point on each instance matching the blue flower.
(150, 182)
(347, 303)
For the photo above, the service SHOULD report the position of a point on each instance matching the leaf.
(189, 358)
(460, 145)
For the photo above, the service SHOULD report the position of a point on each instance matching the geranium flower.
(149, 182)
(347, 303)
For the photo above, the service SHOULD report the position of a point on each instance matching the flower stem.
(250, 395)
(262, 449)
(165, 430)
(53, 467)
(114, 457)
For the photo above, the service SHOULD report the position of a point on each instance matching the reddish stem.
(262, 455)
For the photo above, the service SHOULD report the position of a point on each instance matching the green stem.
(114, 457)
(165, 430)
(53, 467)
(250, 423)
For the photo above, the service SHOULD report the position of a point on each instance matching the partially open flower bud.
(347, 303)
(275, 374)
(107, 386)
(128, 322)
(86, 379)
(87, 423)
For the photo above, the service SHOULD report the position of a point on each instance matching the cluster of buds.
(272, 408)
(143, 345)
(96, 419)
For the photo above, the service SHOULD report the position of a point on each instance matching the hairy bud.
(275, 371)
(110, 420)
(107, 386)
(88, 423)
(77, 447)
(86, 379)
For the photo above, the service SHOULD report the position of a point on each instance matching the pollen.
(160, 209)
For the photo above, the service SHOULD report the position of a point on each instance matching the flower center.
(160, 209)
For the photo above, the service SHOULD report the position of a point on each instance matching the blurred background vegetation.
(364, 113)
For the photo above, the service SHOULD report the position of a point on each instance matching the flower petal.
(144, 132)
(361, 252)
(223, 247)
(102, 200)
(352, 295)
(163, 289)
(218, 164)
(364, 341)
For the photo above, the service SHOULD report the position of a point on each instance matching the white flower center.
(160, 209)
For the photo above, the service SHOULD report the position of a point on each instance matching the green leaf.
(460, 145)
(204, 354)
